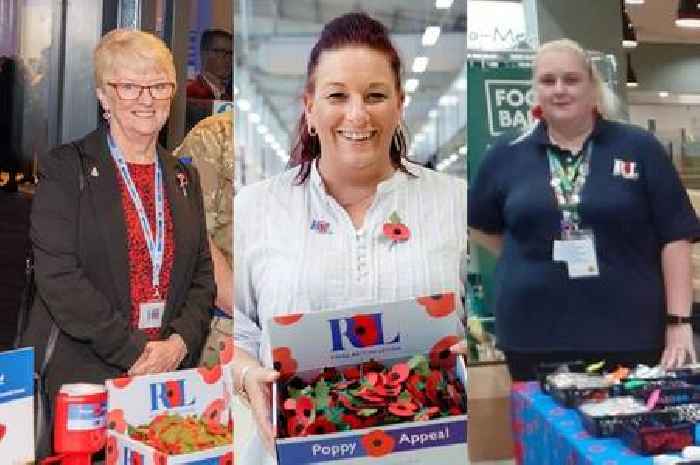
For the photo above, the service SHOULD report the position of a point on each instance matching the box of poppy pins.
(177, 418)
(376, 384)
(17, 406)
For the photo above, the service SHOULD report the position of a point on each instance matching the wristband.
(678, 319)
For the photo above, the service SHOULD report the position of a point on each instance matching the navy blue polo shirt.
(538, 307)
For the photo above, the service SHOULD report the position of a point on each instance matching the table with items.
(617, 419)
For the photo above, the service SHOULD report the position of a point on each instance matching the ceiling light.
(254, 118)
(629, 35)
(634, 2)
(269, 138)
(461, 84)
(419, 64)
(243, 104)
(430, 36)
(262, 129)
(443, 4)
(664, 94)
(411, 85)
(463, 150)
(631, 75)
(448, 101)
(688, 13)
(433, 114)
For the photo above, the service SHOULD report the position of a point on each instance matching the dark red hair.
(351, 29)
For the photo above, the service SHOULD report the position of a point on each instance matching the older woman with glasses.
(124, 279)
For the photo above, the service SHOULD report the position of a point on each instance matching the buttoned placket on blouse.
(364, 270)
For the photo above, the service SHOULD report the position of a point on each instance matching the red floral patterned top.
(139, 259)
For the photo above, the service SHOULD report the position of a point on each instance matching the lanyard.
(155, 247)
(567, 184)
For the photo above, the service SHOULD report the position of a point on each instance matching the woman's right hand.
(257, 385)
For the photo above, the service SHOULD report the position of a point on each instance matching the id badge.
(577, 249)
(151, 314)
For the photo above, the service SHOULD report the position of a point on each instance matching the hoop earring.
(107, 115)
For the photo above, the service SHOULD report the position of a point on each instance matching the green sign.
(508, 102)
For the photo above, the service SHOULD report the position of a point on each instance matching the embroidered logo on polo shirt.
(321, 227)
(625, 169)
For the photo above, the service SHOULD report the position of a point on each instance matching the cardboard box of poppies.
(370, 384)
(17, 406)
(176, 418)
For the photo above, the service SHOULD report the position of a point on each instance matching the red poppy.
(210, 375)
(388, 390)
(305, 409)
(370, 396)
(226, 459)
(213, 412)
(377, 443)
(537, 112)
(111, 451)
(284, 362)
(225, 351)
(136, 458)
(398, 374)
(455, 396)
(295, 427)
(159, 458)
(290, 404)
(440, 355)
(362, 330)
(438, 305)
(427, 413)
(115, 420)
(351, 373)
(286, 320)
(321, 426)
(403, 409)
(121, 383)
(173, 393)
(353, 421)
(373, 378)
(371, 366)
(397, 232)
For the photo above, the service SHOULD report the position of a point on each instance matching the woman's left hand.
(679, 346)
(161, 356)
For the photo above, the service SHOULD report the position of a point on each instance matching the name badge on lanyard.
(576, 247)
(150, 312)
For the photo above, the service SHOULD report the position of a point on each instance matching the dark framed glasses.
(130, 91)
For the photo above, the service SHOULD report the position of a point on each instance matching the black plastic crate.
(658, 439)
(612, 425)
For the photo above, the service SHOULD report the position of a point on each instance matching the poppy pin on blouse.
(395, 230)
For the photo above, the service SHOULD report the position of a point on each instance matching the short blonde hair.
(606, 102)
(132, 49)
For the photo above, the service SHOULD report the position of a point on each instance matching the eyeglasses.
(130, 91)
(222, 52)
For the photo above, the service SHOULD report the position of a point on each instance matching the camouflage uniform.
(210, 146)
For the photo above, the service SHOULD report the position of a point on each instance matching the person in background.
(209, 147)
(124, 279)
(314, 238)
(592, 227)
(214, 81)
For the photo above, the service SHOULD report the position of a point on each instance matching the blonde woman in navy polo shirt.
(592, 227)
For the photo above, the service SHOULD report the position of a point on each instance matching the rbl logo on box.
(170, 395)
(364, 330)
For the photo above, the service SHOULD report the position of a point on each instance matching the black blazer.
(82, 270)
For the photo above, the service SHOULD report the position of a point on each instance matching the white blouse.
(297, 250)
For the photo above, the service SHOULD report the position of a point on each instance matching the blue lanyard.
(155, 247)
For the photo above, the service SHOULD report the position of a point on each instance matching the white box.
(17, 406)
(398, 331)
(138, 400)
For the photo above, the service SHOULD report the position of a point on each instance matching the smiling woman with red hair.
(353, 222)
